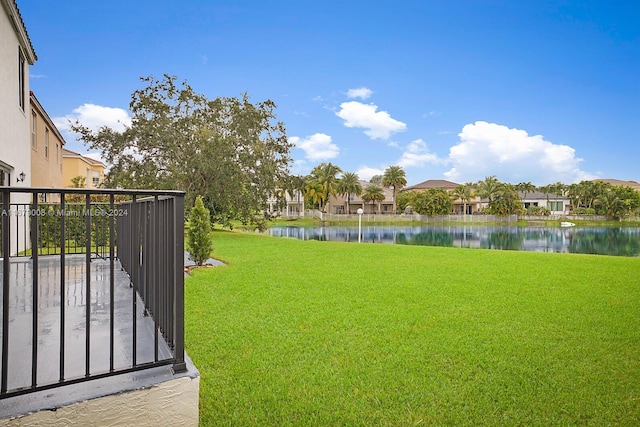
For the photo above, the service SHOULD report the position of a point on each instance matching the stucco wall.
(76, 166)
(14, 121)
(46, 170)
(171, 403)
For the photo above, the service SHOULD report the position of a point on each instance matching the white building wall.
(14, 120)
(15, 145)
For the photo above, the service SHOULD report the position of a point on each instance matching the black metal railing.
(103, 268)
(49, 227)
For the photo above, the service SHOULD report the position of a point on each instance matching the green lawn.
(300, 333)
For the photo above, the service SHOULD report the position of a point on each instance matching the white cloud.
(300, 167)
(378, 124)
(432, 113)
(512, 155)
(361, 92)
(365, 173)
(417, 154)
(94, 117)
(316, 147)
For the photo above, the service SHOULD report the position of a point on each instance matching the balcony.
(93, 307)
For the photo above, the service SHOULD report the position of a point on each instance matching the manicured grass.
(298, 333)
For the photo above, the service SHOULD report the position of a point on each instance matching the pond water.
(623, 241)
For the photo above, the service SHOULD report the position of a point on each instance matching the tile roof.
(432, 183)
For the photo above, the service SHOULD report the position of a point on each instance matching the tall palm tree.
(525, 188)
(373, 193)
(314, 193)
(394, 178)
(488, 188)
(326, 174)
(465, 193)
(506, 201)
(348, 185)
(575, 195)
(609, 203)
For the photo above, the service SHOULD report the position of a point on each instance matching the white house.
(16, 54)
(557, 205)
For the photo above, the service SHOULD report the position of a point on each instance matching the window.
(46, 143)
(96, 178)
(555, 206)
(34, 141)
(21, 79)
(57, 153)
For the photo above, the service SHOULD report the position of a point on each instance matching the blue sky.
(539, 91)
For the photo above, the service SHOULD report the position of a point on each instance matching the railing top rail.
(92, 191)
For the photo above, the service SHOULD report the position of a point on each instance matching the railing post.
(63, 219)
(179, 364)
(34, 289)
(6, 252)
(88, 285)
(112, 282)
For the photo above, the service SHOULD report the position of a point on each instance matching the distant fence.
(367, 217)
(469, 218)
(384, 218)
(473, 218)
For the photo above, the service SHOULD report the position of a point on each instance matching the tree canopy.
(394, 177)
(349, 185)
(373, 194)
(229, 150)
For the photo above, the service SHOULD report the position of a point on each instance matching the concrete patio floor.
(50, 299)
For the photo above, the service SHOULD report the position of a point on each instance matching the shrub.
(584, 211)
(538, 211)
(200, 240)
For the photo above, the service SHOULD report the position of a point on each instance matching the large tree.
(432, 202)
(506, 201)
(464, 193)
(348, 185)
(488, 188)
(395, 178)
(314, 193)
(229, 150)
(326, 174)
(374, 194)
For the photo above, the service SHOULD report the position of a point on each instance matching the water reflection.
(595, 240)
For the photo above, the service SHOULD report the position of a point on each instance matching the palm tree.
(314, 193)
(525, 188)
(326, 175)
(465, 193)
(489, 188)
(348, 185)
(610, 204)
(394, 178)
(506, 201)
(373, 193)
